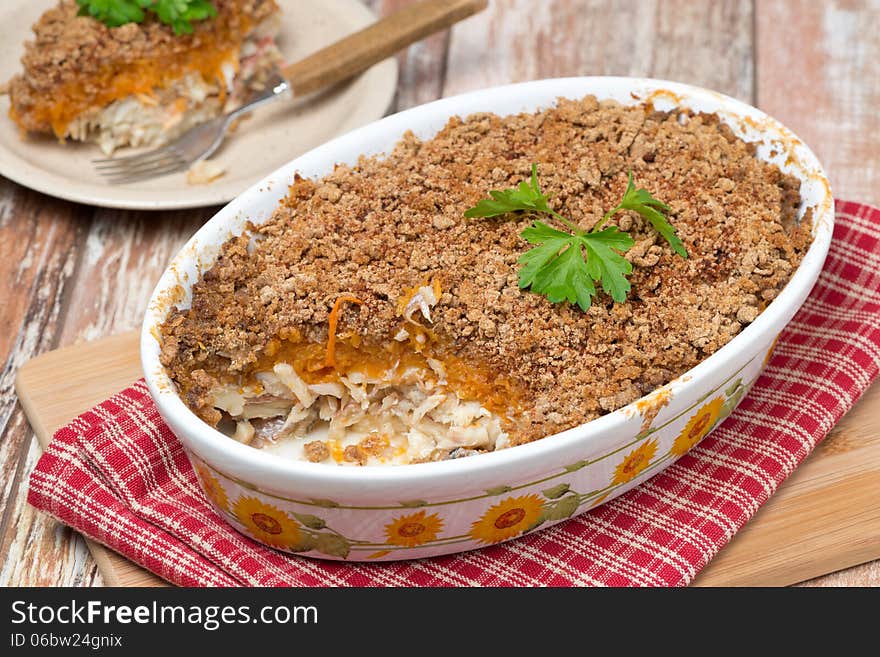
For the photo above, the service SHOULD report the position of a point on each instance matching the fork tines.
(134, 168)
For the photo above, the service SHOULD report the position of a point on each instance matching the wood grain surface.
(343, 59)
(72, 273)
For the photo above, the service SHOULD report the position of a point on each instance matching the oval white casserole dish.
(419, 510)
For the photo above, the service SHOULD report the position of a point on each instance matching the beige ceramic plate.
(273, 136)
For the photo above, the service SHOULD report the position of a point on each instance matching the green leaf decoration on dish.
(327, 504)
(556, 491)
(305, 543)
(498, 490)
(310, 521)
(540, 521)
(562, 509)
(734, 394)
(413, 504)
(574, 467)
(333, 545)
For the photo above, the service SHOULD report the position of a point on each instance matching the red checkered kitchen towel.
(118, 475)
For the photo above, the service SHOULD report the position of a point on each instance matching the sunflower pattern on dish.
(507, 519)
(414, 529)
(635, 462)
(698, 426)
(212, 488)
(268, 523)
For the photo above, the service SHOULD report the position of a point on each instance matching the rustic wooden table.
(70, 273)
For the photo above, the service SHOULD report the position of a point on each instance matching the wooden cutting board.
(825, 517)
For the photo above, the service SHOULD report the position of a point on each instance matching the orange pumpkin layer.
(76, 63)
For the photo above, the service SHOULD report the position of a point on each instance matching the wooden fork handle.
(359, 51)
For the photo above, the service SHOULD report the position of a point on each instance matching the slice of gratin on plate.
(139, 84)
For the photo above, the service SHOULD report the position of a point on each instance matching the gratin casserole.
(367, 322)
(451, 505)
(139, 84)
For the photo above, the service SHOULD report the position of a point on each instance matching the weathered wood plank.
(39, 244)
(422, 66)
(40, 551)
(122, 255)
(703, 43)
(818, 71)
(868, 574)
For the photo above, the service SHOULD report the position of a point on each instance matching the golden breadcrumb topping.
(379, 229)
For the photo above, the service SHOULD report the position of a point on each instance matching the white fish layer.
(406, 418)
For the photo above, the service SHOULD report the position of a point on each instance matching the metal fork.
(197, 143)
(333, 64)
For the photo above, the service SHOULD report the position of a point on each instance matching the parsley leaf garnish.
(114, 13)
(565, 266)
(641, 201)
(179, 14)
(526, 197)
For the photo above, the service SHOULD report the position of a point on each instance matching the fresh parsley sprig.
(114, 13)
(565, 266)
(527, 197)
(655, 211)
(179, 14)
